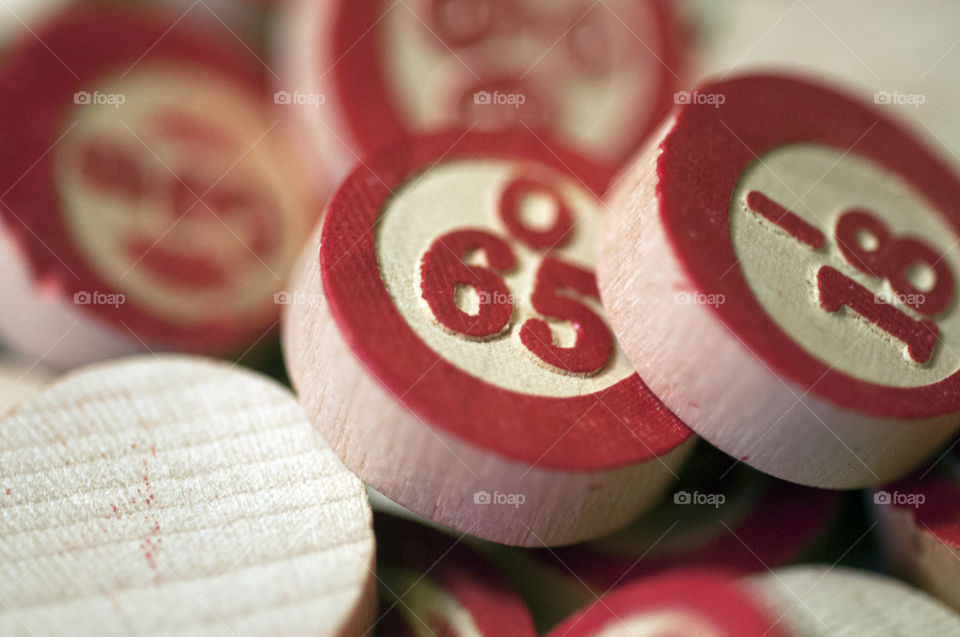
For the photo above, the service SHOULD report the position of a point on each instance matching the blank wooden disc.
(781, 267)
(176, 495)
(151, 200)
(819, 601)
(418, 344)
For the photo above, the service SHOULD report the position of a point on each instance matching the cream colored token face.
(465, 194)
(177, 496)
(177, 197)
(603, 52)
(821, 185)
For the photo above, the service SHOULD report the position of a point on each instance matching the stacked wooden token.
(445, 335)
(149, 197)
(780, 267)
(177, 495)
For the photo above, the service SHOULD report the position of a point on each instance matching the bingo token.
(821, 601)
(149, 199)
(781, 268)
(598, 77)
(681, 604)
(177, 496)
(920, 529)
(432, 584)
(446, 336)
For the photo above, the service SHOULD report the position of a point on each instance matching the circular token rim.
(558, 433)
(97, 42)
(714, 594)
(367, 104)
(703, 157)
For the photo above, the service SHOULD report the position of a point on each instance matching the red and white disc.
(781, 268)
(432, 582)
(149, 200)
(468, 372)
(177, 495)
(919, 523)
(597, 77)
(676, 604)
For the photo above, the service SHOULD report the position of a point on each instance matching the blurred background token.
(433, 584)
(678, 603)
(596, 76)
(149, 196)
(446, 337)
(175, 495)
(781, 268)
(823, 601)
(919, 520)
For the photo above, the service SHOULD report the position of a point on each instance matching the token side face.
(461, 272)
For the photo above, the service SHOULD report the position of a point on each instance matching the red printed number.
(444, 270)
(887, 258)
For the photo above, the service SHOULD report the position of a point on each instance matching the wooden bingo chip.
(780, 267)
(446, 337)
(149, 197)
(919, 520)
(676, 604)
(178, 496)
(598, 77)
(820, 601)
(432, 584)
